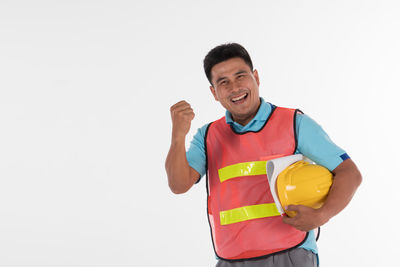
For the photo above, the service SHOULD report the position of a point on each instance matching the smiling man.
(253, 131)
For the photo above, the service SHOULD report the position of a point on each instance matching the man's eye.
(223, 83)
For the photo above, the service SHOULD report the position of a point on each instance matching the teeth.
(238, 98)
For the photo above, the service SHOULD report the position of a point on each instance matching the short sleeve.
(314, 143)
(196, 155)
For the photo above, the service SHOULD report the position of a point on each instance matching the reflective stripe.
(248, 213)
(242, 169)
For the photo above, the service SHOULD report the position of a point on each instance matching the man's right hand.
(182, 115)
(181, 176)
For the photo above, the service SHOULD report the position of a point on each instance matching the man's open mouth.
(239, 98)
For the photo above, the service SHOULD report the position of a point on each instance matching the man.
(253, 130)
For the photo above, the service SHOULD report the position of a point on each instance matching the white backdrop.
(85, 91)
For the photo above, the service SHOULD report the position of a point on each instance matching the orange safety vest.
(243, 217)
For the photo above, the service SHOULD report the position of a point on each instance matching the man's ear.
(255, 74)
(214, 92)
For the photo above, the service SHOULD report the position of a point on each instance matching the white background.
(85, 91)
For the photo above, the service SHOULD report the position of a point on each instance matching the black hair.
(224, 52)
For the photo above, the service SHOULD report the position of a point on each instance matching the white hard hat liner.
(274, 168)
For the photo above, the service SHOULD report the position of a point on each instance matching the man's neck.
(244, 120)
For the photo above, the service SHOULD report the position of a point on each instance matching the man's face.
(235, 86)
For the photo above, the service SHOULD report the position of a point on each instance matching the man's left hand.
(306, 218)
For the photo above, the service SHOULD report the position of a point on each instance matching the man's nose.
(236, 86)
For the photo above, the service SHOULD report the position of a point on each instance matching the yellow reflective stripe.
(248, 213)
(242, 169)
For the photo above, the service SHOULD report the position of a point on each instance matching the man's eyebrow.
(240, 72)
(220, 79)
(237, 73)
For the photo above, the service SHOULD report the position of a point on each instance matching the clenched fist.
(182, 115)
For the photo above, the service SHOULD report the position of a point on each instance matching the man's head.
(222, 53)
(234, 83)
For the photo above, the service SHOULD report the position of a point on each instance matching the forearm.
(180, 175)
(177, 168)
(346, 180)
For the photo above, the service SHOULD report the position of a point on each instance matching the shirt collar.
(262, 114)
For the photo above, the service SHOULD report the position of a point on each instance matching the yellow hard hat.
(303, 183)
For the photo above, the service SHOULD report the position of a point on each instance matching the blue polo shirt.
(312, 140)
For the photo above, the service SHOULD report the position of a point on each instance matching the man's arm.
(346, 180)
(181, 176)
